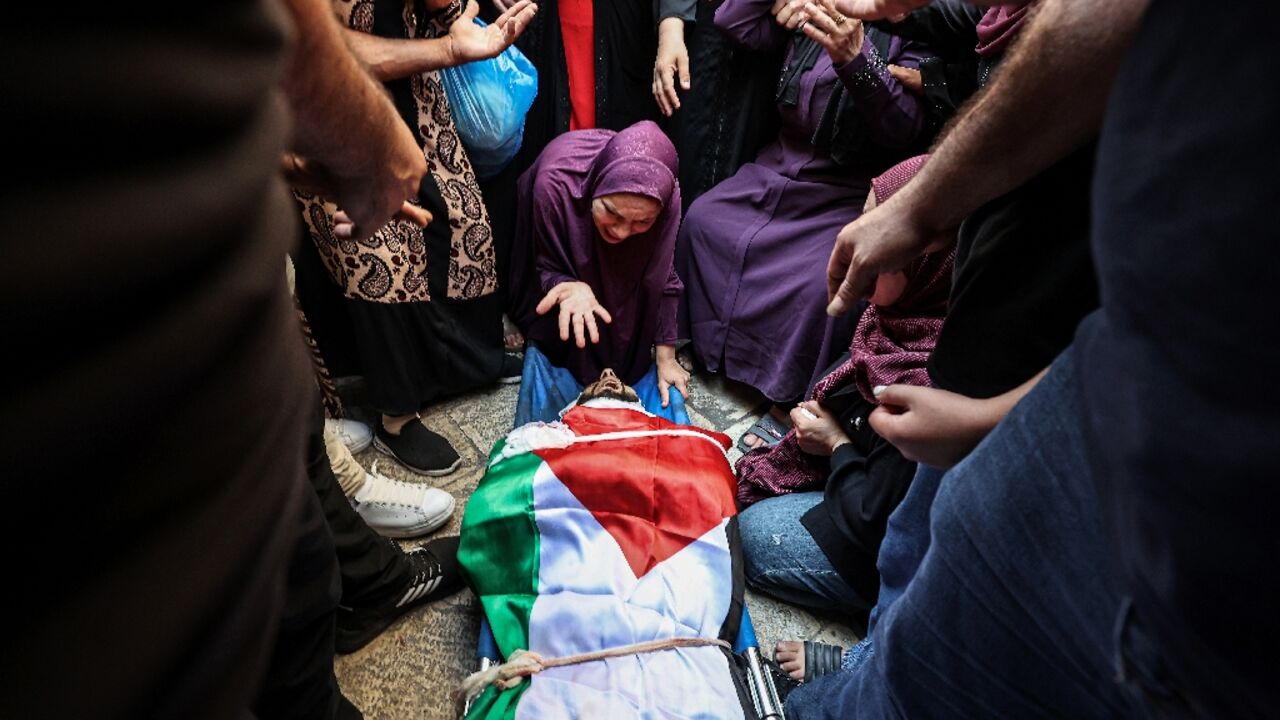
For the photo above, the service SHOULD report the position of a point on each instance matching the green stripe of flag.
(498, 523)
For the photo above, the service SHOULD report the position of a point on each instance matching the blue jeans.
(781, 559)
(1011, 611)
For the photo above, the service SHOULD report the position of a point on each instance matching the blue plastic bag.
(489, 99)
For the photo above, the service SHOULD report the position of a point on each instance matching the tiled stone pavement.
(409, 671)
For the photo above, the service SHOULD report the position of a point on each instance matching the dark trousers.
(338, 558)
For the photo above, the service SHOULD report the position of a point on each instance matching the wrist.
(670, 27)
(839, 443)
(664, 353)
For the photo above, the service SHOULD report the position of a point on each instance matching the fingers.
(549, 301)
(848, 278)
(659, 96)
(579, 330)
(412, 213)
(908, 77)
(682, 384)
(824, 39)
(593, 331)
(662, 391)
(471, 10)
(897, 399)
(664, 91)
(565, 316)
(888, 425)
(818, 17)
(516, 20)
(604, 314)
(682, 67)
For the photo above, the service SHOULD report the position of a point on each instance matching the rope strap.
(524, 663)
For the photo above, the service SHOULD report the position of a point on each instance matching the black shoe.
(512, 369)
(418, 449)
(435, 575)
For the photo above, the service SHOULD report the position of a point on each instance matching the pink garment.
(1000, 26)
(891, 345)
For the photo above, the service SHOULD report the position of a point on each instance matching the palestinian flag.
(612, 529)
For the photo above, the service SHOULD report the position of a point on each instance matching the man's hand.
(468, 41)
(840, 36)
(314, 179)
(670, 374)
(910, 78)
(879, 9)
(882, 241)
(346, 122)
(818, 431)
(671, 62)
(578, 309)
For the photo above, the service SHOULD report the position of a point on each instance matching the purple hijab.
(891, 345)
(557, 241)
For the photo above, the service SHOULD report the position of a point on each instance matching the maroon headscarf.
(891, 345)
(1000, 26)
(557, 241)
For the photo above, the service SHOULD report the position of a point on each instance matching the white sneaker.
(354, 434)
(398, 509)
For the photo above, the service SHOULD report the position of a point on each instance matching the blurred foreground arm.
(344, 122)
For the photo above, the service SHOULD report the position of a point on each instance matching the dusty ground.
(409, 671)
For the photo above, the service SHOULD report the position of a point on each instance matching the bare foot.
(789, 654)
(754, 441)
(512, 340)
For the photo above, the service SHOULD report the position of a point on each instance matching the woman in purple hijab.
(757, 244)
(593, 284)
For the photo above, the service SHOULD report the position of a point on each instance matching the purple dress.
(557, 241)
(759, 242)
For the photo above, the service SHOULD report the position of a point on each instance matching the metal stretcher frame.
(764, 694)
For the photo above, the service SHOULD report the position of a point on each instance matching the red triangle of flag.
(654, 495)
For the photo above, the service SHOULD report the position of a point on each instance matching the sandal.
(819, 659)
(767, 428)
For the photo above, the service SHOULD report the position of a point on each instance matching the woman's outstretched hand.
(578, 310)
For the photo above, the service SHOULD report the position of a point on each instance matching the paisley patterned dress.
(421, 302)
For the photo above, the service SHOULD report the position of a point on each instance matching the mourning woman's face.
(621, 215)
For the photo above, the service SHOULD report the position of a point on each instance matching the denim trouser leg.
(781, 559)
(1011, 612)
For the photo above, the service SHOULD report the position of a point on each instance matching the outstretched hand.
(578, 311)
(468, 41)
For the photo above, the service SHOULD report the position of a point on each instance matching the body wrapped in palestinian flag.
(610, 529)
